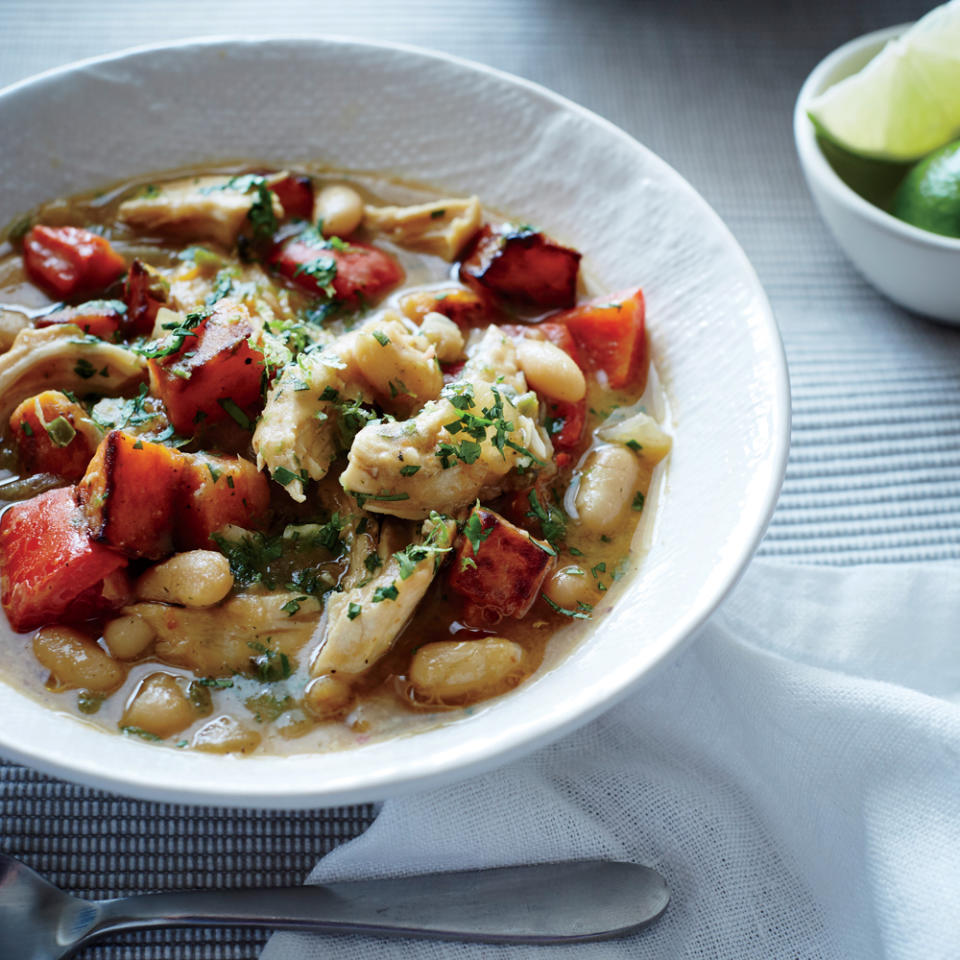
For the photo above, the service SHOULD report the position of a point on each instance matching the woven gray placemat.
(874, 474)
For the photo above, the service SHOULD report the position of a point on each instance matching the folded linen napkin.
(794, 774)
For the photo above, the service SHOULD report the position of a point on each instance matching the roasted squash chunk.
(498, 568)
(610, 331)
(348, 272)
(217, 491)
(215, 373)
(466, 308)
(99, 318)
(145, 292)
(49, 565)
(53, 435)
(70, 261)
(128, 494)
(147, 500)
(295, 193)
(523, 266)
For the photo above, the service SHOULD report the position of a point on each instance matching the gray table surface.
(874, 474)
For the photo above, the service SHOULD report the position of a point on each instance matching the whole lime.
(929, 196)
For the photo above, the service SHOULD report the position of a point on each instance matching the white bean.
(326, 697)
(449, 671)
(198, 578)
(75, 661)
(128, 636)
(570, 586)
(159, 706)
(225, 735)
(551, 371)
(339, 209)
(444, 334)
(607, 485)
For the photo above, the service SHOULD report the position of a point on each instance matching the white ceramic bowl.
(913, 267)
(469, 129)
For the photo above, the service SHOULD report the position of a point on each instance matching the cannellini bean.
(449, 671)
(128, 636)
(551, 371)
(607, 485)
(198, 578)
(339, 208)
(444, 334)
(570, 586)
(159, 706)
(326, 697)
(226, 735)
(75, 661)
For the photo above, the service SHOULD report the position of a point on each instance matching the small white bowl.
(464, 128)
(918, 269)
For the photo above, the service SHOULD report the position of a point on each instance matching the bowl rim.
(540, 731)
(816, 165)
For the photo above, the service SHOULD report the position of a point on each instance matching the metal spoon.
(544, 903)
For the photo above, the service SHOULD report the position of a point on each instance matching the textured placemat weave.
(874, 474)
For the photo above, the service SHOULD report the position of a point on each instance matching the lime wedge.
(906, 101)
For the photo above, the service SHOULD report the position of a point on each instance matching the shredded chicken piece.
(360, 625)
(195, 208)
(193, 286)
(312, 410)
(443, 459)
(63, 355)
(441, 227)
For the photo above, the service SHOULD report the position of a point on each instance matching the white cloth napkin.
(794, 775)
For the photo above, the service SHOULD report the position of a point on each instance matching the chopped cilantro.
(88, 702)
(215, 683)
(409, 470)
(323, 270)
(436, 545)
(84, 369)
(373, 562)
(474, 530)
(231, 407)
(634, 446)
(283, 476)
(28, 430)
(139, 732)
(267, 707)
(261, 215)
(553, 521)
(385, 593)
(174, 339)
(269, 665)
(638, 501)
(383, 495)
(580, 614)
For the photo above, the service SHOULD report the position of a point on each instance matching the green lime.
(929, 196)
(906, 101)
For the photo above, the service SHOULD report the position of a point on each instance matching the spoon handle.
(543, 903)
